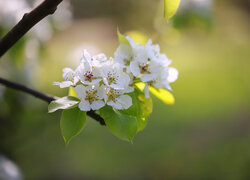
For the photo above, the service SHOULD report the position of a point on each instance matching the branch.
(45, 97)
(30, 19)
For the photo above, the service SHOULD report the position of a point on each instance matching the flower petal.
(80, 91)
(134, 67)
(125, 101)
(146, 91)
(63, 84)
(172, 74)
(84, 105)
(97, 105)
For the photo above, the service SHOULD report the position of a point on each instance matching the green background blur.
(204, 135)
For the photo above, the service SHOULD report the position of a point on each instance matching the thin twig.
(45, 97)
(27, 90)
(30, 19)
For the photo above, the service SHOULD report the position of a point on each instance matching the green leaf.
(66, 102)
(162, 94)
(121, 125)
(170, 8)
(122, 38)
(141, 108)
(72, 92)
(72, 123)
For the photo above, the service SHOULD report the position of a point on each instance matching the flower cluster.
(99, 80)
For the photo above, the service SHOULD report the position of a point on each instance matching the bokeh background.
(204, 135)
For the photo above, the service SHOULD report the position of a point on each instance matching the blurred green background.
(204, 135)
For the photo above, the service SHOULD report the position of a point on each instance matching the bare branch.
(30, 19)
(45, 97)
(27, 90)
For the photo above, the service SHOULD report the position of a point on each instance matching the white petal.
(134, 67)
(131, 41)
(80, 91)
(148, 77)
(140, 54)
(114, 105)
(68, 74)
(76, 79)
(84, 105)
(101, 92)
(122, 81)
(86, 56)
(123, 52)
(125, 101)
(129, 89)
(63, 84)
(97, 105)
(172, 74)
(146, 91)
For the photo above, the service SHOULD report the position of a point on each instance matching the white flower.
(142, 66)
(153, 50)
(70, 78)
(124, 55)
(91, 97)
(113, 75)
(117, 99)
(88, 71)
(167, 76)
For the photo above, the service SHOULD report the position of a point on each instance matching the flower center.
(111, 79)
(111, 96)
(127, 61)
(91, 96)
(144, 68)
(88, 76)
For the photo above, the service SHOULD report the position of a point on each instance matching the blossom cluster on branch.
(99, 80)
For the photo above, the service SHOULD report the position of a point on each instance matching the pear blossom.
(99, 81)
(113, 75)
(142, 66)
(91, 97)
(70, 78)
(124, 55)
(89, 69)
(167, 76)
(117, 99)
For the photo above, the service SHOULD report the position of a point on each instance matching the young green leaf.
(141, 108)
(162, 94)
(66, 102)
(170, 8)
(122, 38)
(72, 92)
(72, 123)
(121, 125)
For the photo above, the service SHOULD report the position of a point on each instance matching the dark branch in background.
(45, 97)
(27, 90)
(29, 20)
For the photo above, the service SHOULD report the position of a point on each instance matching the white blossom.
(142, 66)
(70, 78)
(89, 70)
(124, 55)
(106, 81)
(113, 75)
(167, 76)
(91, 97)
(117, 99)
